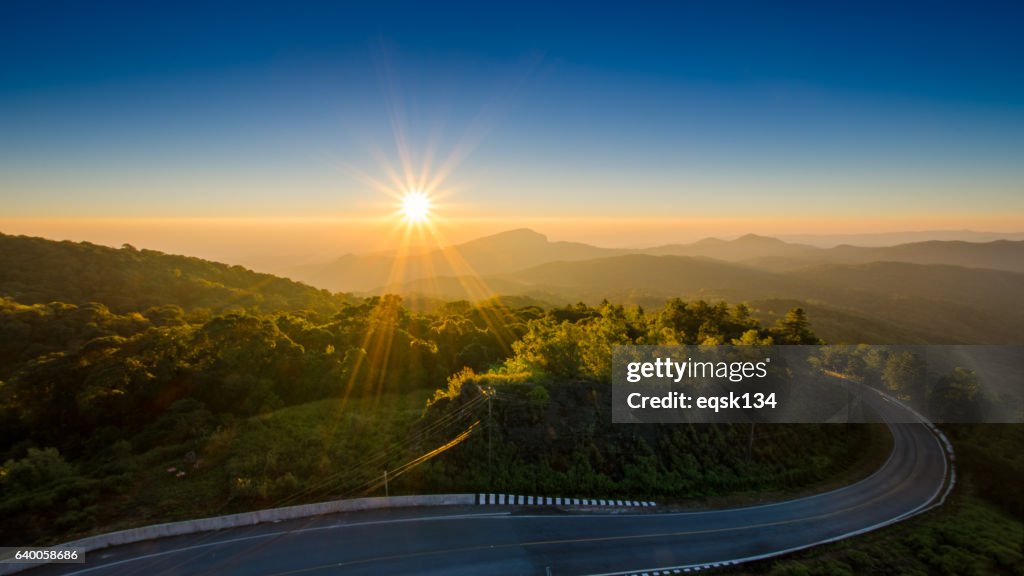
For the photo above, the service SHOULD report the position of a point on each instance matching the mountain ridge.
(518, 249)
(923, 302)
(938, 303)
(40, 271)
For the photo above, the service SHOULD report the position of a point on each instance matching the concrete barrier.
(198, 525)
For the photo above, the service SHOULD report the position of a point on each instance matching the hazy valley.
(930, 291)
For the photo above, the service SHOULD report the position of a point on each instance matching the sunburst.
(416, 207)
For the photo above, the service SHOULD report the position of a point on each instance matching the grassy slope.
(968, 536)
(260, 462)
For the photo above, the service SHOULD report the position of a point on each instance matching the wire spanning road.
(510, 540)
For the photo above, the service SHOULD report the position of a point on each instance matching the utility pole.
(849, 401)
(386, 492)
(750, 445)
(490, 425)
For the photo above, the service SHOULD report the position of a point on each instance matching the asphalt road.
(511, 540)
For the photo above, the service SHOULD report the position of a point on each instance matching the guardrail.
(196, 526)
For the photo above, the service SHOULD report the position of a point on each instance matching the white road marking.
(931, 503)
(282, 533)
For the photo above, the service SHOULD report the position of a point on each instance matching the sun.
(415, 207)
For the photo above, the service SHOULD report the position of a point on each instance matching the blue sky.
(912, 113)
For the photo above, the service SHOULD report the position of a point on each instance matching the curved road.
(510, 540)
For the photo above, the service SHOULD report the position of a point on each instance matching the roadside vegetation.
(979, 531)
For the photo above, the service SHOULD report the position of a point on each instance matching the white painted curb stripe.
(522, 500)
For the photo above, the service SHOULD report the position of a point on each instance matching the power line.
(371, 463)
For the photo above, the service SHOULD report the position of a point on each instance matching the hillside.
(39, 271)
(994, 291)
(888, 301)
(998, 255)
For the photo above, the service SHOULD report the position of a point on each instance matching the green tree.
(795, 329)
(37, 468)
(957, 397)
(904, 376)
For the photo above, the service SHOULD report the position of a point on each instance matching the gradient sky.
(772, 116)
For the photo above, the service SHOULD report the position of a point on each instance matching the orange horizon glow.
(463, 227)
(279, 244)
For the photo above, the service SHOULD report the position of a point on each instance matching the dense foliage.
(76, 375)
(551, 415)
(940, 389)
(966, 537)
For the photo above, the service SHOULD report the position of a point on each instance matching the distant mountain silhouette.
(999, 254)
(880, 300)
(495, 254)
(772, 253)
(517, 250)
(522, 248)
(743, 248)
(878, 239)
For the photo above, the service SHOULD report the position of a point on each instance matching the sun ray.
(417, 182)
